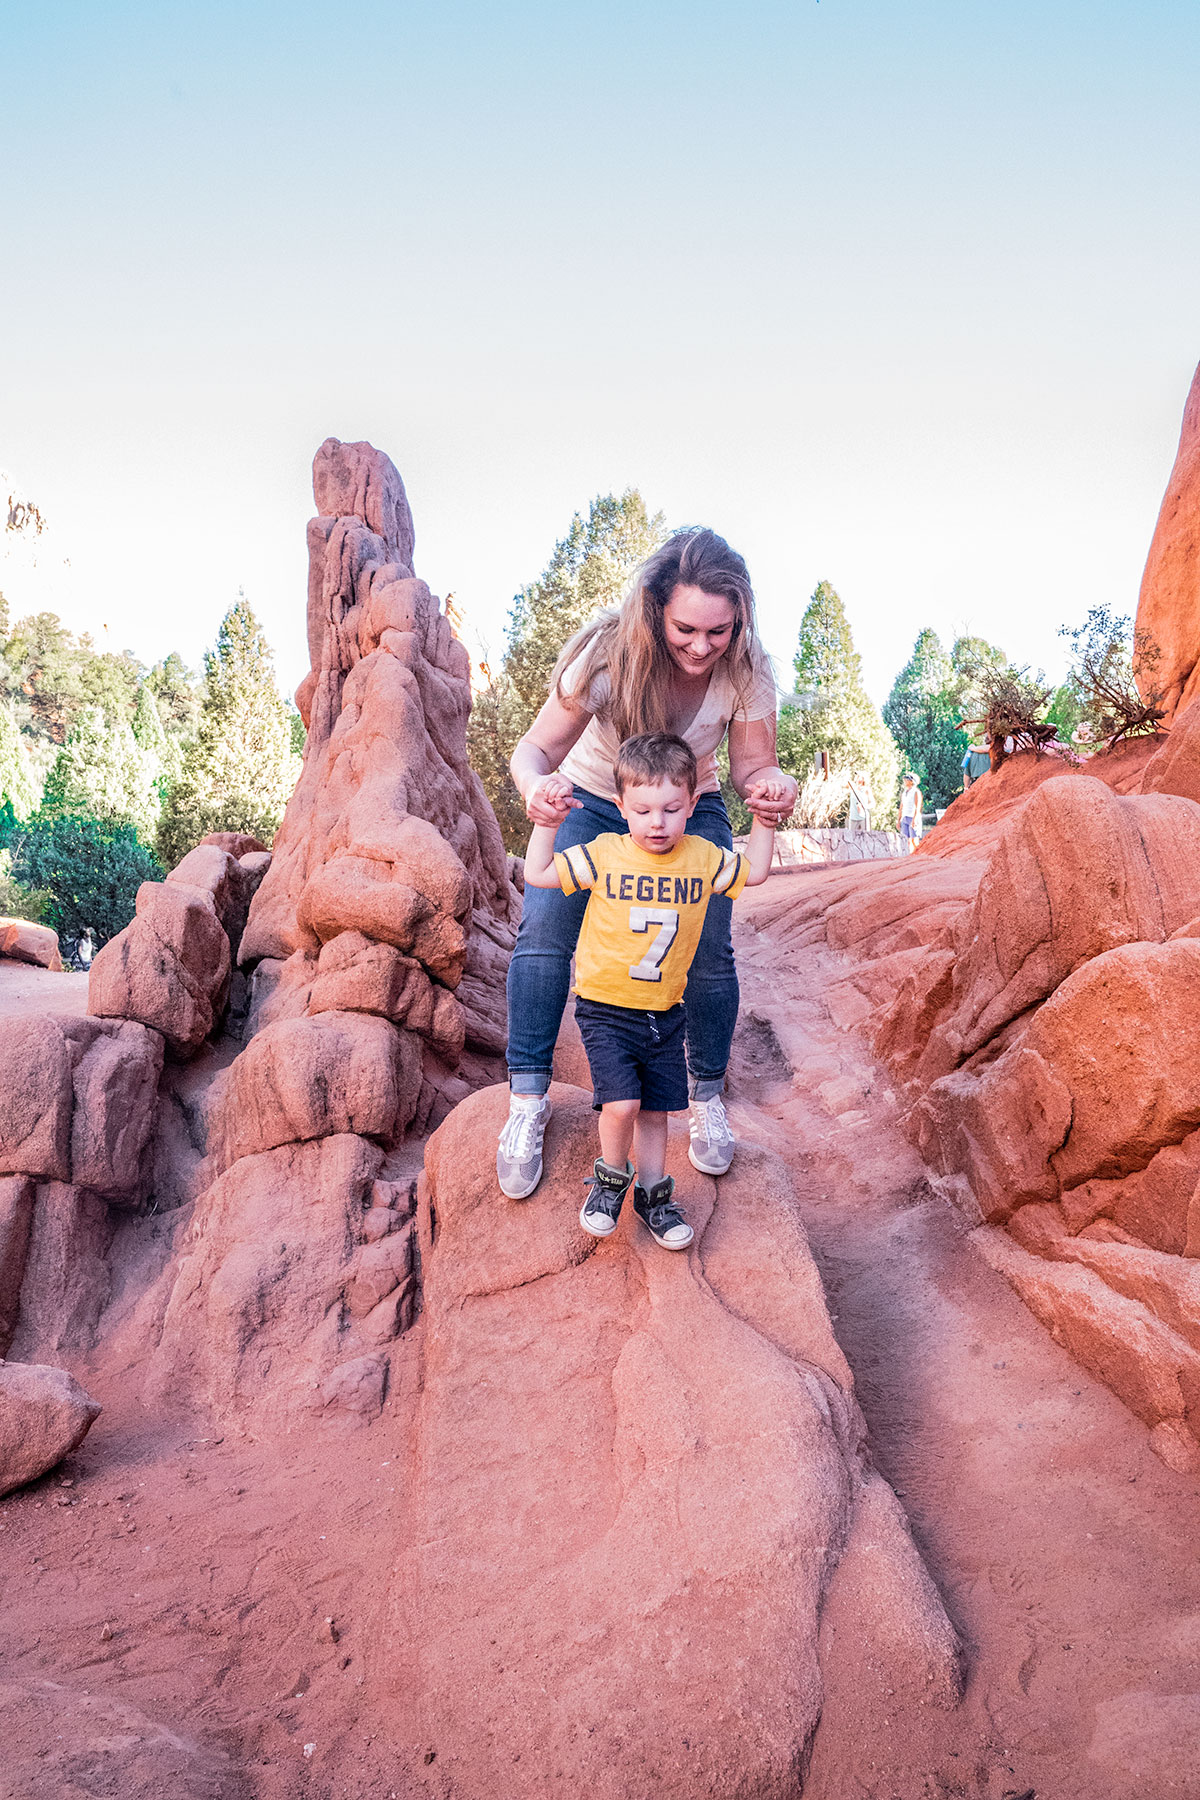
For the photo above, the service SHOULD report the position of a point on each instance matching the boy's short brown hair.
(655, 756)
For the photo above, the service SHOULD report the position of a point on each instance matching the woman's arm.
(539, 858)
(534, 764)
(752, 768)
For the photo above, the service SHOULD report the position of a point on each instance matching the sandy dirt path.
(1066, 1552)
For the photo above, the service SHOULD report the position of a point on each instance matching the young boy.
(647, 897)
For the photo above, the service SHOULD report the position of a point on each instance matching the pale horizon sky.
(904, 298)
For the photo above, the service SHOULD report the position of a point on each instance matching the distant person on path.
(912, 802)
(647, 892)
(683, 656)
(862, 802)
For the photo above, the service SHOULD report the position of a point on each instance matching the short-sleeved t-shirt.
(644, 914)
(589, 764)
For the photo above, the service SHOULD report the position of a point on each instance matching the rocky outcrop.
(1169, 605)
(79, 1098)
(25, 942)
(170, 968)
(1043, 1031)
(44, 1415)
(375, 948)
(642, 1472)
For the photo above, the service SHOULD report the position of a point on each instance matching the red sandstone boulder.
(65, 1282)
(630, 1468)
(1169, 605)
(1078, 872)
(1175, 766)
(16, 1217)
(313, 1078)
(23, 941)
(286, 1302)
(169, 968)
(237, 843)
(44, 1414)
(227, 882)
(1105, 1075)
(78, 1101)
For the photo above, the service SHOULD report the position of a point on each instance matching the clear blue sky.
(905, 296)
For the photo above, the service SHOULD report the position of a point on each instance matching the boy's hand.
(771, 798)
(550, 799)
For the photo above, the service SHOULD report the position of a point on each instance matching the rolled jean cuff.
(529, 1081)
(706, 1087)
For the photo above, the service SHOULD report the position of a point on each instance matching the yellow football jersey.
(644, 914)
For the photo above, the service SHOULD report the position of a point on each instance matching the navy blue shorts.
(634, 1055)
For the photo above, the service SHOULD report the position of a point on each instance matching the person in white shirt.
(862, 802)
(912, 803)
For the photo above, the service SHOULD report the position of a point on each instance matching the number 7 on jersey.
(641, 918)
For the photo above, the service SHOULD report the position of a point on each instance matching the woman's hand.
(771, 797)
(550, 799)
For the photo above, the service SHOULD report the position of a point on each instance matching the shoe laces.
(521, 1131)
(711, 1117)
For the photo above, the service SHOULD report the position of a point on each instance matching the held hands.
(771, 798)
(550, 799)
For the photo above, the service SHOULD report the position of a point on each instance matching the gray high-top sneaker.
(519, 1152)
(711, 1143)
(660, 1215)
(606, 1194)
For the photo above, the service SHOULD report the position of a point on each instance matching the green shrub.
(89, 869)
(17, 902)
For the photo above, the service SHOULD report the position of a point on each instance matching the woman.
(862, 802)
(681, 655)
(912, 804)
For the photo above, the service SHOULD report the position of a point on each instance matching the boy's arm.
(540, 871)
(759, 851)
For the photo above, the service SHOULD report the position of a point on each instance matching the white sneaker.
(519, 1152)
(712, 1142)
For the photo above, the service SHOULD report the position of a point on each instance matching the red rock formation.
(639, 1472)
(1169, 605)
(44, 1415)
(24, 942)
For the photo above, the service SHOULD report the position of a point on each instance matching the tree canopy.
(923, 712)
(831, 710)
(238, 769)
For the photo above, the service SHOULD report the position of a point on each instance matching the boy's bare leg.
(618, 1119)
(650, 1148)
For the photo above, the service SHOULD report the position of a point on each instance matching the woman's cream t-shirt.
(589, 764)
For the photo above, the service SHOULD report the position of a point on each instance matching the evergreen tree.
(831, 710)
(102, 773)
(826, 657)
(238, 769)
(589, 570)
(164, 755)
(923, 714)
(19, 787)
(84, 873)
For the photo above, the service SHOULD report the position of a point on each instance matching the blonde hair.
(631, 644)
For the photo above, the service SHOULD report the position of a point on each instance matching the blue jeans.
(539, 975)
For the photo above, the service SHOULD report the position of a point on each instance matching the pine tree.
(238, 769)
(826, 657)
(831, 710)
(102, 773)
(589, 570)
(923, 712)
(164, 754)
(19, 788)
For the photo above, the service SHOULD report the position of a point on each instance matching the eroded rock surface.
(44, 1414)
(1169, 605)
(639, 1471)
